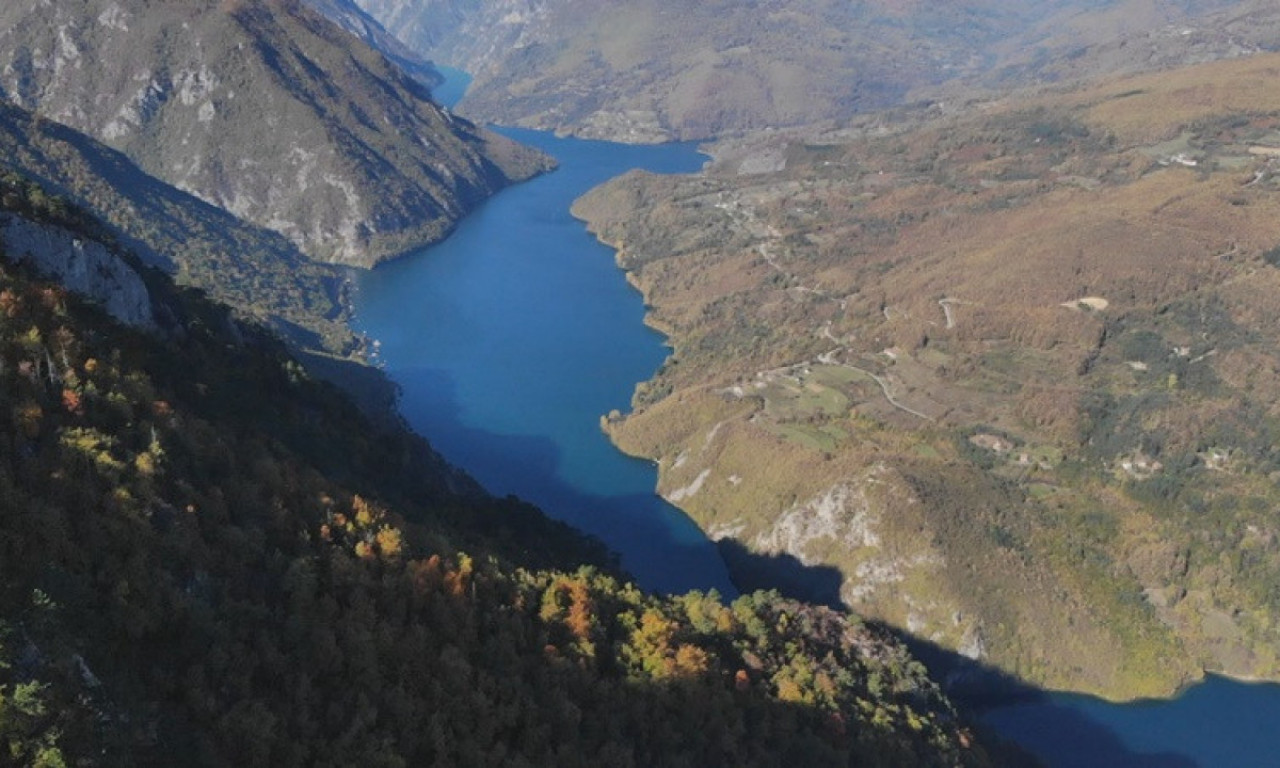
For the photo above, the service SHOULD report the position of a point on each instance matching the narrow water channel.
(512, 338)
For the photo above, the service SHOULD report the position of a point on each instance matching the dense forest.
(208, 558)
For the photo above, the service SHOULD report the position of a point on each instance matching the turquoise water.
(515, 335)
(1219, 723)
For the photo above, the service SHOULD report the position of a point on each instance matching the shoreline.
(1176, 688)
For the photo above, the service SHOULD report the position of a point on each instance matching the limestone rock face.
(80, 265)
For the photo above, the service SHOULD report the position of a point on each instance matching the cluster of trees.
(22, 196)
(208, 558)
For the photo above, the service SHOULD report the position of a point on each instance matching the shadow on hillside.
(154, 199)
(125, 197)
(369, 387)
(1006, 706)
(751, 571)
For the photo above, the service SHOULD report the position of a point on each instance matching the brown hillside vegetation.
(1012, 371)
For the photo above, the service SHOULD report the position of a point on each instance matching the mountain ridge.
(353, 18)
(653, 72)
(258, 271)
(352, 162)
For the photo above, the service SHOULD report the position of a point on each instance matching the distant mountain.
(657, 70)
(1125, 38)
(355, 20)
(263, 108)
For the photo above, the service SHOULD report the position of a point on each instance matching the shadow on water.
(645, 530)
(638, 527)
(662, 560)
(372, 391)
(1007, 707)
(1064, 737)
(502, 265)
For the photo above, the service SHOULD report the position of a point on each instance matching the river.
(515, 335)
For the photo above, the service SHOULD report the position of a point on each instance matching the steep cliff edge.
(265, 109)
(84, 266)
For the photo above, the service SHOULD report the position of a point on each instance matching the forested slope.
(208, 559)
(257, 271)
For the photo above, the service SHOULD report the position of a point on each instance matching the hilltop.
(1008, 370)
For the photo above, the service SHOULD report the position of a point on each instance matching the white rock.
(83, 266)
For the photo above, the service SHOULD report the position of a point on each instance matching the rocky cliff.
(263, 108)
(80, 265)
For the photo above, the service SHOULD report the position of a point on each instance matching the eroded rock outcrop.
(84, 266)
